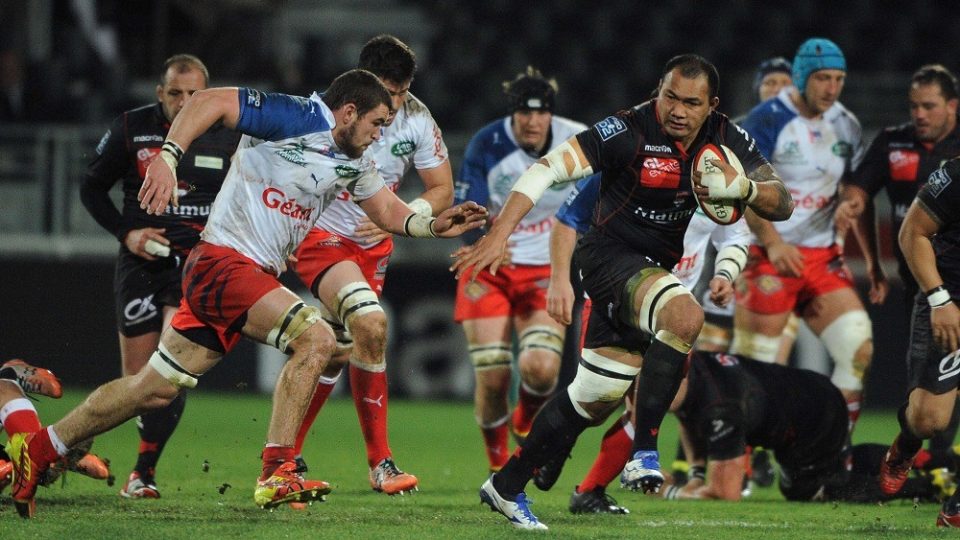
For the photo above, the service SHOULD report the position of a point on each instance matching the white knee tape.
(662, 291)
(167, 366)
(755, 345)
(356, 299)
(599, 380)
(379, 367)
(292, 324)
(541, 337)
(491, 356)
(843, 338)
(344, 338)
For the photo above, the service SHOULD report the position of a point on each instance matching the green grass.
(438, 442)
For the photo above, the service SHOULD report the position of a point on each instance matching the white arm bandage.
(419, 226)
(421, 206)
(563, 165)
(730, 262)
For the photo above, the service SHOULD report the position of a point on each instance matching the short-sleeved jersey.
(577, 210)
(646, 196)
(492, 164)
(124, 153)
(810, 156)
(733, 401)
(413, 139)
(287, 170)
(901, 164)
(941, 195)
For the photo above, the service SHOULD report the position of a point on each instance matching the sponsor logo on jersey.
(147, 138)
(254, 98)
(842, 149)
(937, 182)
(949, 366)
(403, 148)
(293, 152)
(660, 173)
(145, 157)
(610, 126)
(657, 148)
(502, 184)
(346, 171)
(789, 154)
(726, 360)
(103, 142)
(904, 165)
(277, 200)
(664, 216)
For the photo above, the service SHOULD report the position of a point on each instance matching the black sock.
(657, 386)
(681, 455)
(907, 443)
(555, 429)
(941, 443)
(155, 430)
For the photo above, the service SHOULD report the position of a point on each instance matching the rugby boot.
(517, 511)
(894, 469)
(387, 478)
(595, 502)
(32, 380)
(28, 467)
(140, 486)
(286, 485)
(949, 515)
(642, 473)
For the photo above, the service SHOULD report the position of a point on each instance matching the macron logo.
(657, 148)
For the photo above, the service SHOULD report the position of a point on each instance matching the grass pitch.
(438, 442)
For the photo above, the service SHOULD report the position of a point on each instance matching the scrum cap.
(813, 55)
(530, 90)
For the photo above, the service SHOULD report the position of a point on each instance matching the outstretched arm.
(393, 215)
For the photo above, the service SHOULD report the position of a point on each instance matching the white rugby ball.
(722, 211)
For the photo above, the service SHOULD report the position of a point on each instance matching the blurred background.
(67, 67)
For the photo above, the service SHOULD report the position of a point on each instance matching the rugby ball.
(722, 211)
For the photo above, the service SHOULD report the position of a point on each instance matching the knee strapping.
(490, 356)
(662, 291)
(167, 366)
(292, 324)
(541, 337)
(599, 380)
(843, 338)
(344, 338)
(755, 345)
(354, 300)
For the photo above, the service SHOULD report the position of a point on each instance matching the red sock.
(496, 439)
(853, 412)
(42, 449)
(20, 417)
(615, 450)
(273, 457)
(528, 405)
(370, 398)
(320, 396)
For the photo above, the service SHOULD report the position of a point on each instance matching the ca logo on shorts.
(139, 310)
(949, 365)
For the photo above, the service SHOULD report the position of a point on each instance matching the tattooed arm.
(773, 201)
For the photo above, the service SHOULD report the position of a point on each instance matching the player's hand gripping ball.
(720, 179)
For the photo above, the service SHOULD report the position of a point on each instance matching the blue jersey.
(577, 211)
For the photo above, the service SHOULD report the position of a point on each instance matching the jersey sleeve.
(858, 150)
(723, 429)
(431, 150)
(274, 117)
(941, 194)
(577, 210)
(610, 143)
(762, 127)
(744, 146)
(874, 170)
(366, 185)
(472, 183)
(735, 234)
(108, 166)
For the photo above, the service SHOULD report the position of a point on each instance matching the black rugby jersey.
(941, 194)
(646, 196)
(899, 162)
(733, 401)
(124, 153)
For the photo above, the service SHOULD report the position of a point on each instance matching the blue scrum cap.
(813, 55)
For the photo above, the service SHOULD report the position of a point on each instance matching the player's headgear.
(777, 64)
(530, 90)
(813, 55)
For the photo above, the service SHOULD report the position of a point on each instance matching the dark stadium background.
(86, 61)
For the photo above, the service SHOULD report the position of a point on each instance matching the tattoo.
(783, 208)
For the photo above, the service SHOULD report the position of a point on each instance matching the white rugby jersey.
(413, 139)
(810, 156)
(286, 171)
(491, 166)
